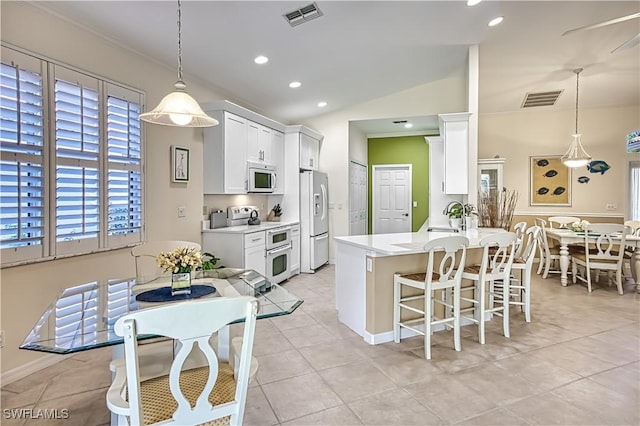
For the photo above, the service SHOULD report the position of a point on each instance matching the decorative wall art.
(179, 164)
(550, 182)
(598, 166)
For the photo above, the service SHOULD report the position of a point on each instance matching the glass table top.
(82, 317)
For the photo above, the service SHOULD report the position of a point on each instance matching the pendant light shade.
(178, 108)
(576, 156)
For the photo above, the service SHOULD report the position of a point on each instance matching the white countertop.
(248, 229)
(409, 242)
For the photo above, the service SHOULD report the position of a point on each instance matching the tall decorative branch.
(495, 208)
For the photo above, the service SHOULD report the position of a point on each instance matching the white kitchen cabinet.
(259, 143)
(490, 173)
(277, 159)
(454, 130)
(309, 152)
(237, 249)
(224, 163)
(295, 249)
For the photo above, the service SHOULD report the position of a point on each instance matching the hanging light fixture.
(178, 108)
(576, 156)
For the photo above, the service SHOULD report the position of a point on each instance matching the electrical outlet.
(182, 211)
(415, 204)
(611, 206)
(1, 338)
(369, 264)
(205, 210)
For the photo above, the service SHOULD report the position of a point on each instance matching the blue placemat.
(163, 294)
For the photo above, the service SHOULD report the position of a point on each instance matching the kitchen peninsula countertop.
(409, 242)
(248, 229)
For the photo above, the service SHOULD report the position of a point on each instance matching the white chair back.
(529, 244)
(562, 221)
(610, 239)
(499, 260)
(145, 257)
(634, 225)
(449, 269)
(184, 399)
(519, 229)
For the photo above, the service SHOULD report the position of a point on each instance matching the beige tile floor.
(578, 363)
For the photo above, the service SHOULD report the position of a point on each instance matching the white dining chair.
(605, 254)
(520, 286)
(445, 277)
(541, 223)
(184, 396)
(562, 221)
(144, 255)
(634, 226)
(493, 267)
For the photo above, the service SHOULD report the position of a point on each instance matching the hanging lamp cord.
(577, 71)
(179, 42)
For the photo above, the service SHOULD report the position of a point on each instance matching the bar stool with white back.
(603, 250)
(520, 287)
(493, 267)
(446, 278)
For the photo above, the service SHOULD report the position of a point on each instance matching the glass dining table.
(82, 317)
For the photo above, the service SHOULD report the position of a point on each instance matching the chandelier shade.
(178, 108)
(576, 156)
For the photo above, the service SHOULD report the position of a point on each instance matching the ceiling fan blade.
(604, 24)
(632, 42)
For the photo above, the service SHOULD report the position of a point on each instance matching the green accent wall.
(403, 150)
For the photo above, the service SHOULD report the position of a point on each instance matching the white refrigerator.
(314, 220)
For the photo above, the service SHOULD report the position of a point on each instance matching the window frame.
(50, 248)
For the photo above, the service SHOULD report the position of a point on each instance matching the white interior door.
(357, 199)
(391, 198)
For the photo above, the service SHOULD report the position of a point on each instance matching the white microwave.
(262, 177)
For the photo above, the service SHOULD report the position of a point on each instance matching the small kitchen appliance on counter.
(218, 219)
(240, 215)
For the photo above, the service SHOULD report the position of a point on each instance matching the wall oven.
(278, 254)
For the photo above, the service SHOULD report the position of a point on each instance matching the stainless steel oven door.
(278, 237)
(279, 264)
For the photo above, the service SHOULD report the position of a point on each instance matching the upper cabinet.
(242, 136)
(454, 130)
(309, 152)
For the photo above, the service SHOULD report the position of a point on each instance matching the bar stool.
(446, 279)
(493, 267)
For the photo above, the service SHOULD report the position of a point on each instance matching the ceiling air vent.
(304, 14)
(541, 99)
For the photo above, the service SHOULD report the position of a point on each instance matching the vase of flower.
(180, 263)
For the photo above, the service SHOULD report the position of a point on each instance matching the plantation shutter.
(22, 198)
(77, 150)
(124, 170)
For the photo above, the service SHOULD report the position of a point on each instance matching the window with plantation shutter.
(22, 198)
(71, 171)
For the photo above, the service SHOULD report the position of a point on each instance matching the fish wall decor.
(598, 166)
(550, 181)
(583, 179)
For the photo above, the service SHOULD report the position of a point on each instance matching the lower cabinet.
(295, 250)
(236, 249)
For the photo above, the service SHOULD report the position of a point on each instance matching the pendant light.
(576, 156)
(178, 108)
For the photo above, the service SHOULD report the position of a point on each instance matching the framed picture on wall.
(549, 181)
(179, 164)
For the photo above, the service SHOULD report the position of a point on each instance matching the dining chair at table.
(562, 221)
(147, 268)
(493, 267)
(446, 277)
(551, 255)
(605, 253)
(541, 254)
(184, 396)
(634, 226)
(520, 286)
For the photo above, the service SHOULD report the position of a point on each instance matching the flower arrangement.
(579, 225)
(179, 261)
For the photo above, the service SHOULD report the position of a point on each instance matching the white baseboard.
(29, 368)
(376, 339)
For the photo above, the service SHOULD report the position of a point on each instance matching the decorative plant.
(209, 262)
(470, 210)
(455, 211)
(495, 209)
(579, 225)
(180, 260)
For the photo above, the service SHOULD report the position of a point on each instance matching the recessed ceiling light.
(408, 125)
(322, 104)
(495, 21)
(295, 84)
(261, 60)
(473, 2)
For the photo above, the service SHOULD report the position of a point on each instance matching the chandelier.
(576, 156)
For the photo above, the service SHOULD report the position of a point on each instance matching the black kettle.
(254, 220)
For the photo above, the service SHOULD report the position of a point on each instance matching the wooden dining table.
(567, 236)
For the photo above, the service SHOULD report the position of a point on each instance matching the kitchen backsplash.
(264, 202)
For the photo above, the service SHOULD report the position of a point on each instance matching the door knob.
(405, 214)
